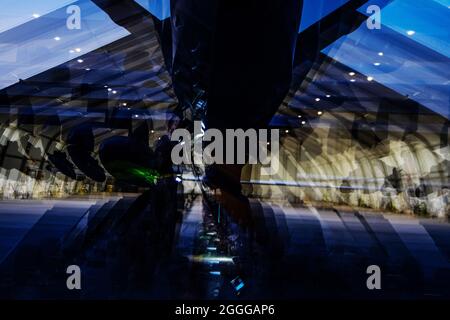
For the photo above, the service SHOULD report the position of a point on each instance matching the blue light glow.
(159, 8)
(416, 65)
(313, 10)
(40, 44)
(15, 13)
(239, 286)
(428, 19)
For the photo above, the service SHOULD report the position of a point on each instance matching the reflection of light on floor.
(307, 234)
(237, 283)
(210, 260)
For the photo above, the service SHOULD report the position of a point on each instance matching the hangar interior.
(364, 173)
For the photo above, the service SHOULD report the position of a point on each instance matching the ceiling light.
(351, 73)
(410, 32)
(36, 15)
(377, 64)
(328, 96)
(352, 80)
(77, 49)
(299, 116)
(114, 92)
(380, 54)
(57, 38)
(287, 131)
(369, 78)
(319, 113)
(317, 99)
(303, 122)
(80, 60)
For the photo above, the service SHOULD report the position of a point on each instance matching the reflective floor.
(193, 251)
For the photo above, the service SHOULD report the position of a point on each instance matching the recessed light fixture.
(36, 15)
(77, 49)
(352, 80)
(109, 89)
(377, 64)
(303, 122)
(87, 69)
(114, 92)
(410, 32)
(124, 104)
(328, 95)
(319, 113)
(317, 99)
(71, 51)
(369, 78)
(380, 54)
(80, 60)
(287, 131)
(153, 131)
(351, 73)
(57, 38)
(299, 116)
